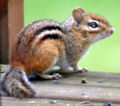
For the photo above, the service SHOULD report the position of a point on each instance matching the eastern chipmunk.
(45, 43)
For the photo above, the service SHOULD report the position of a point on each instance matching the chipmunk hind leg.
(48, 56)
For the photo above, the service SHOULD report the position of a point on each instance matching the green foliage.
(104, 55)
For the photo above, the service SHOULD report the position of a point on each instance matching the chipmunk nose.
(112, 30)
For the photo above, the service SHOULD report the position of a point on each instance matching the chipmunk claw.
(57, 76)
(82, 70)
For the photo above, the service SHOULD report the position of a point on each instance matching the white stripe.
(42, 34)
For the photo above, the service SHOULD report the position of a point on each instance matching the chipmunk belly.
(74, 56)
(76, 53)
(62, 62)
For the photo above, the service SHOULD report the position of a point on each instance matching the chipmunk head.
(93, 27)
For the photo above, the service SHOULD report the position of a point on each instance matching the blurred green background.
(104, 55)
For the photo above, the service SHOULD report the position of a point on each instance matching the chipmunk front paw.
(57, 76)
(81, 70)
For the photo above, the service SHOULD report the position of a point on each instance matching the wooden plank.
(7, 101)
(11, 22)
(100, 88)
(15, 18)
(3, 32)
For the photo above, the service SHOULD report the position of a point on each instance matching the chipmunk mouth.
(105, 35)
(108, 33)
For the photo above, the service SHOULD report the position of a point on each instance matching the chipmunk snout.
(112, 30)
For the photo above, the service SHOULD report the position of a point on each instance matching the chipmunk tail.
(15, 83)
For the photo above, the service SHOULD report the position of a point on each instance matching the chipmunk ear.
(78, 15)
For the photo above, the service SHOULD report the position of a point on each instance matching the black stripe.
(47, 28)
(51, 36)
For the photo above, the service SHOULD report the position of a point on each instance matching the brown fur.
(30, 58)
(98, 18)
(36, 60)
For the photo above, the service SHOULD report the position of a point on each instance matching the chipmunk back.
(36, 43)
(46, 43)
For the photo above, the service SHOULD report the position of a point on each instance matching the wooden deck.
(100, 88)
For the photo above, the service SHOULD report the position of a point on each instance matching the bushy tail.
(15, 83)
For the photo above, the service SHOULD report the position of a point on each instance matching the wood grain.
(11, 22)
(15, 18)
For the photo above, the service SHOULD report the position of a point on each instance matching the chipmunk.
(45, 43)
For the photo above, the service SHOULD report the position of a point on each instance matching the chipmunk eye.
(93, 24)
